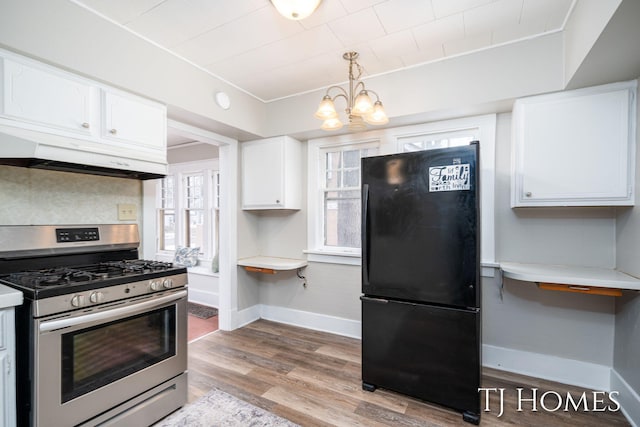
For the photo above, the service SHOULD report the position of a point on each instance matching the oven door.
(96, 360)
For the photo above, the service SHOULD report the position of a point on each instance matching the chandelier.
(360, 109)
(295, 9)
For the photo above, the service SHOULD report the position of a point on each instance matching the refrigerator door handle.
(365, 234)
(376, 300)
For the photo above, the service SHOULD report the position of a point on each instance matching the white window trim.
(389, 144)
(179, 171)
(317, 251)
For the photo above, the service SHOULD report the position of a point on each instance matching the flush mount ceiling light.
(295, 9)
(360, 109)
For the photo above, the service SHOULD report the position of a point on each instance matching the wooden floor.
(313, 379)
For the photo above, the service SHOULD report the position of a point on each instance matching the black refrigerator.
(420, 276)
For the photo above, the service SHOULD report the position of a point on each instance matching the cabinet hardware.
(86, 125)
(113, 131)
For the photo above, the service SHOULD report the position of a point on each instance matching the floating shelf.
(271, 265)
(574, 279)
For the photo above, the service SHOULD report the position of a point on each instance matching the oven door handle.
(120, 312)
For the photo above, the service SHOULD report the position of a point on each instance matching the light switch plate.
(127, 212)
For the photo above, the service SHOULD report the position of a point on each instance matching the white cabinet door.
(7, 368)
(6, 409)
(133, 120)
(271, 174)
(575, 148)
(47, 98)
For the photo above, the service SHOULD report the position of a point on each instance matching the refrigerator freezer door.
(420, 226)
(427, 352)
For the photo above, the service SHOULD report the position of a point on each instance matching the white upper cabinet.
(88, 115)
(271, 174)
(126, 118)
(47, 98)
(575, 148)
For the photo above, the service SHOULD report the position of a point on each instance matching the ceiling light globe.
(331, 124)
(326, 109)
(362, 105)
(295, 9)
(377, 116)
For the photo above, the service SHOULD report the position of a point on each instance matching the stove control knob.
(167, 283)
(77, 301)
(96, 297)
(155, 286)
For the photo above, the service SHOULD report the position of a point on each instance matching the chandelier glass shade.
(360, 109)
(295, 9)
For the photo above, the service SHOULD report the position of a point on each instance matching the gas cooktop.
(48, 282)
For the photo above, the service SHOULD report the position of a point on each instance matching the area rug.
(201, 311)
(220, 409)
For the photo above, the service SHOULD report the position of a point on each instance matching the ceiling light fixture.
(360, 109)
(295, 9)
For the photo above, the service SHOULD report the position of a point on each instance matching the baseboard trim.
(628, 398)
(203, 297)
(568, 371)
(245, 316)
(309, 320)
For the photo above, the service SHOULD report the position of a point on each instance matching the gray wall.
(627, 337)
(530, 319)
(248, 245)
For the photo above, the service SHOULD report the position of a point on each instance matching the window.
(166, 217)
(187, 209)
(334, 198)
(194, 211)
(341, 195)
(437, 140)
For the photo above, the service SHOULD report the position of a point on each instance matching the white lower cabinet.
(7, 365)
(575, 148)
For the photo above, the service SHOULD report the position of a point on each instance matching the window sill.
(330, 257)
(202, 270)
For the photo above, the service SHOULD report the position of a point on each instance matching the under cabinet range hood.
(32, 149)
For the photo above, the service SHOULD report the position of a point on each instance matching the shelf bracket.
(300, 276)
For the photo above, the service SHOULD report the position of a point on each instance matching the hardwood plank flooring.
(313, 379)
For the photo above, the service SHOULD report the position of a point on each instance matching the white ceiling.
(248, 44)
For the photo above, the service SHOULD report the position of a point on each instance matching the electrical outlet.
(127, 212)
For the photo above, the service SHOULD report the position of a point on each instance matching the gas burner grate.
(138, 266)
(54, 277)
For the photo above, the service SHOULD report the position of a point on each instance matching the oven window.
(97, 356)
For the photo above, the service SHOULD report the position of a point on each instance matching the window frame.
(180, 171)
(390, 142)
(323, 189)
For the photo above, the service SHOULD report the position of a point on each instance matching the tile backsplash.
(34, 196)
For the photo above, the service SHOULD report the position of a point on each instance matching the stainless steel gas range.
(102, 335)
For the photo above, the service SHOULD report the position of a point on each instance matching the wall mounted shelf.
(591, 280)
(271, 265)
